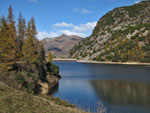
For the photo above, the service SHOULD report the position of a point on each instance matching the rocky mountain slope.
(121, 35)
(60, 46)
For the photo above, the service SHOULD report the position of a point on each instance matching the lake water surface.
(119, 88)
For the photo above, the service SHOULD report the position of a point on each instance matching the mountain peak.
(63, 35)
(61, 45)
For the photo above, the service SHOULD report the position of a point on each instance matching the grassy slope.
(14, 101)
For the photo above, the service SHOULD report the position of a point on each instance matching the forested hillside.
(23, 63)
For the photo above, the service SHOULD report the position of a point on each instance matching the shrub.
(145, 60)
(116, 59)
(110, 57)
(146, 47)
(124, 60)
(135, 36)
(19, 77)
(141, 38)
(53, 69)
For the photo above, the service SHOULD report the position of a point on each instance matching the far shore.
(124, 63)
(100, 62)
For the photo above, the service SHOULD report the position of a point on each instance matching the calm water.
(120, 88)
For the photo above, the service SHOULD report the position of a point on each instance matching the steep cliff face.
(123, 34)
(60, 46)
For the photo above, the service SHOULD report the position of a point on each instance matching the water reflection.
(122, 88)
(123, 92)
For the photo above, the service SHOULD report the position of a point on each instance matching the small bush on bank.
(53, 69)
(20, 78)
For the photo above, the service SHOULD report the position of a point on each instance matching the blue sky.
(56, 17)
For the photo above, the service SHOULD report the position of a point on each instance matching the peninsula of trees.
(23, 64)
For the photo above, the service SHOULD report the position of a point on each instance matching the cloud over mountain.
(82, 30)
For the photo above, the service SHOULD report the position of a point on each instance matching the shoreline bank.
(117, 63)
(32, 103)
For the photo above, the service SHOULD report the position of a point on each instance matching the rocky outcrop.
(47, 87)
(121, 35)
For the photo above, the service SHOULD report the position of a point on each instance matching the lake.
(115, 88)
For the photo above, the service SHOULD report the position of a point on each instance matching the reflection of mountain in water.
(123, 92)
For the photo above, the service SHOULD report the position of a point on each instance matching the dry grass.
(14, 101)
(101, 108)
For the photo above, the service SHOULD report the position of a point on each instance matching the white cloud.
(41, 35)
(85, 27)
(54, 34)
(82, 11)
(33, 1)
(82, 30)
(137, 1)
(63, 24)
(69, 33)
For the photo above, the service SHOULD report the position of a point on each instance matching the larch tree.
(129, 55)
(12, 35)
(4, 43)
(49, 57)
(33, 27)
(40, 64)
(21, 33)
(8, 49)
(10, 18)
(29, 50)
(33, 32)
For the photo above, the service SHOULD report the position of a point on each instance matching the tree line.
(21, 51)
(19, 44)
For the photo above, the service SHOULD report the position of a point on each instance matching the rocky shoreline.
(119, 63)
(47, 87)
